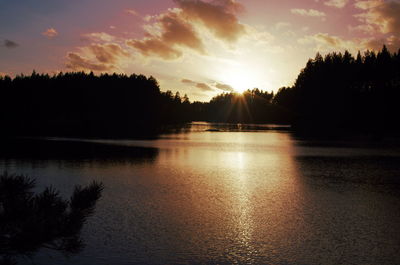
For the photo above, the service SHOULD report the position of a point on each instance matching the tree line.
(334, 92)
(251, 106)
(342, 92)
(80, 104)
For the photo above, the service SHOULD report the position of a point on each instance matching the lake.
(223, 194)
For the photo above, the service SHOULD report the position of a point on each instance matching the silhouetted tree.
(31, 221)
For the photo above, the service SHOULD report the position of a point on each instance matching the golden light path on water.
(244, 190)
(241, 173)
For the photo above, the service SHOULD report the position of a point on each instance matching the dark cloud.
(201, 86)
(187, 81)
(204, 87)
(10, 44)
(224, 87)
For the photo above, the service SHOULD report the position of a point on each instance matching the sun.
(241, 78)
(239, 82)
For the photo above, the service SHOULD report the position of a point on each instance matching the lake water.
(234, 196)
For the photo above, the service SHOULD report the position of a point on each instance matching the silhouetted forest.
(79, 104)
(346, 93)
(338, 92)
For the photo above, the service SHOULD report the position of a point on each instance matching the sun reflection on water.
(243, 214)
(250, 173)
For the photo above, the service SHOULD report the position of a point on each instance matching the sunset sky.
(198, 47)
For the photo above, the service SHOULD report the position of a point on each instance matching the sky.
(197, 47)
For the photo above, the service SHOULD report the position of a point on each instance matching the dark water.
(227, 197)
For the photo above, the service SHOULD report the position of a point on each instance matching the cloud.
(367, 4)
(324, 42)
(337, 3)
(258, 36)
(108, 53)
(10, 44)
(50, 33)
(322, 38)
(188, 81)
(219, 17)
(132, 12)
(97, 57)
(167, 36)
(392, 43)
(155, 47)
(204, 87)
(380, 16)
(224, 87)
(201, 86)
(282, 25)
(185, 27)
(368, 29)
(78, 63)
(99, 36)
(169, 33)
(179, 32)
(308, 13)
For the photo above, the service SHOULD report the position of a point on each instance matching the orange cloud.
(107, 53)
(169, 33)
(50, 33)
(97, 57)
(218, 16)
(78, 63)
(179, 32)
(155, 47)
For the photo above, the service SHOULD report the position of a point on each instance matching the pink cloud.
(50, 33)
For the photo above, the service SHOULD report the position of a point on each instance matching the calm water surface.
(232, 197)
